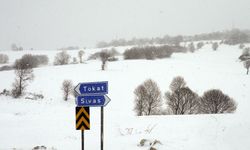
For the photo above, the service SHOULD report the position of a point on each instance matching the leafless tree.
(80, 55)
(104, 55)
(67, 87)
(177, 83)
(247, 65)
(24, 74)
(148, 99)
(62, 58)
(140, 105)
(214, 101)
(182, 101)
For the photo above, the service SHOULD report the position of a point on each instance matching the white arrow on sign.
(107, 100)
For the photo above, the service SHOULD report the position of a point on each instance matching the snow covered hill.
(25, 124)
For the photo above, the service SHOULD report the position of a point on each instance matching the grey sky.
(50, 24)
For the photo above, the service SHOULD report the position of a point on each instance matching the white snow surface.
(25, 124)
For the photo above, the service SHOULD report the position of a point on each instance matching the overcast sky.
(52, 24)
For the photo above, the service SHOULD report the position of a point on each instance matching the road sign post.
(90, 94)
(102, 134)
(82, 139)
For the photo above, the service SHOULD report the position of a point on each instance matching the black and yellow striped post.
(82, 121)
(82, 118)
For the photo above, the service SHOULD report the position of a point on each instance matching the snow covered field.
(25, 124)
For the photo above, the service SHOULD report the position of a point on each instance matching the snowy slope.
(51, 121)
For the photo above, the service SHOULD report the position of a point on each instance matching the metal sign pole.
(102, 137)
(82, 139)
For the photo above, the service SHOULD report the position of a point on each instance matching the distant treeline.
(231, 37)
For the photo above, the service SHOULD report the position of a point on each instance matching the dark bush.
(33, 61)
(215, 101)
(6, 68)
(152, 52)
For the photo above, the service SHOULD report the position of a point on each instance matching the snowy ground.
(25, 124)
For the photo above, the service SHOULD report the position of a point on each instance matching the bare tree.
(148, 99)
(215, 46)
(177, 83)
(140, 93)
(67, 87)
(104, 55)
(182, 101)
(62, 58)
(247, 65)
(24, 73)
(80, 55)
(215, 101)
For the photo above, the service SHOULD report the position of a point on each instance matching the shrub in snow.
(62, 58)
(181, 99)
(24, 74)
(34, 61)
(215, 46)
(152, 144)
(74, 61)
(5, 92)
(6, 67)
(80, 55)
(247, 65)
(39, 148)
(151, 52)
(4, 58)
(67, 88)
(200, 45)
(191, 47)
(148, 99)
(214, 101)
(34, 96)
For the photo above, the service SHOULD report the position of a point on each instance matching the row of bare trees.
(63, 58)
(180, 100)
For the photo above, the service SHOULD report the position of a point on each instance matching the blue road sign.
(92, 88)
(92, 101)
